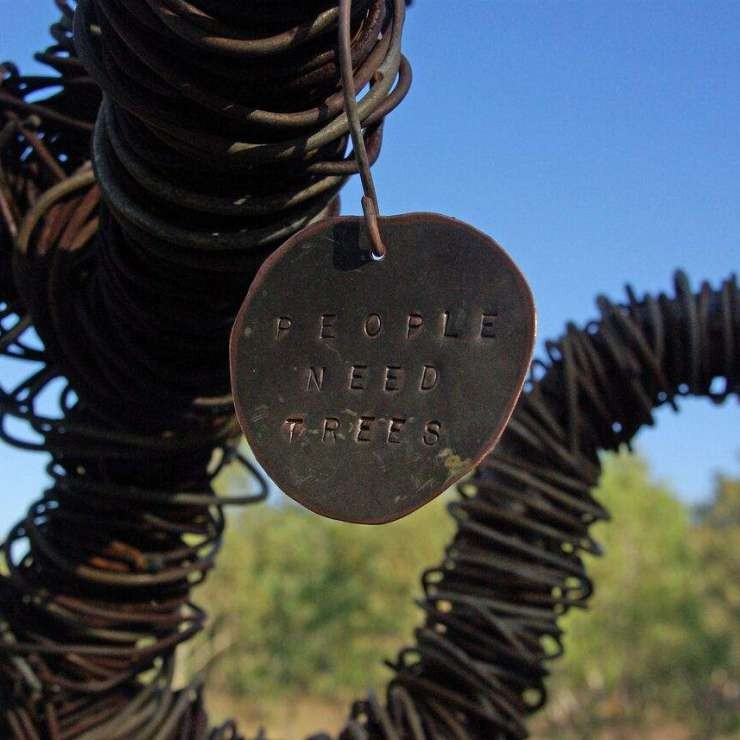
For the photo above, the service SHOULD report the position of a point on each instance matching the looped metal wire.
(206, 166)
(479, 664)
(121, 295)
(370, 199)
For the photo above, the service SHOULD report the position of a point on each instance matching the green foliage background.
(660, 641)
(308, 607)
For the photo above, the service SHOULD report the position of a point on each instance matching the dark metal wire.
(207, 161)
(514, 567)
(123, 288)
(370, 198)
(95, 591)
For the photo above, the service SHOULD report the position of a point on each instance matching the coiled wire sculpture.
(222, 132)
(91, 601)
(514, 567)
(134, 322)
(133, 297)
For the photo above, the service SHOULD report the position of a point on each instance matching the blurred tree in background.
(303, 604)
(717, 539)
(649, 651)
(306, 607)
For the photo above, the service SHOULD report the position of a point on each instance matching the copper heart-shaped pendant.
(366, 388)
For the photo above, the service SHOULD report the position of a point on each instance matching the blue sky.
(596, 141)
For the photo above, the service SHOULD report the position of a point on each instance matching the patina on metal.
(357, 374)
(364, 386)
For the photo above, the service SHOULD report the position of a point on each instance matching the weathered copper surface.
(366, 388)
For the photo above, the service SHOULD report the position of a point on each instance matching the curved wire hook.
(370, 198)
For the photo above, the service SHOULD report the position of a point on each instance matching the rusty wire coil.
(96, 592)
(222, 133)
(492, 605)
(129, 390)
(41, 143)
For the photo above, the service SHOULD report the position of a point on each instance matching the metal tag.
(366, 388)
